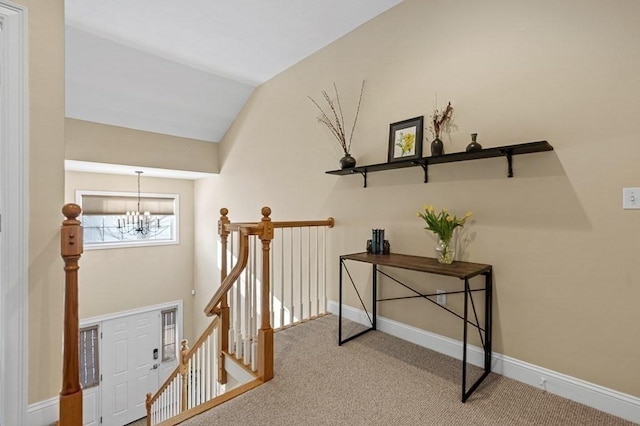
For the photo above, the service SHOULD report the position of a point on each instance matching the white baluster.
(272, 291)
(253, 330)
(238, 311)
(282, 301)
(324, 263)
(291, 312)
(202, 353)
(317, 274)
(300, 304)
(177, 396)
(192, 394)
(254, 355)
(309, 311)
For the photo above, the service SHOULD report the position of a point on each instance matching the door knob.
(155, 367)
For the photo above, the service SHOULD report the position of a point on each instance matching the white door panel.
(91, 406)
(128, 366)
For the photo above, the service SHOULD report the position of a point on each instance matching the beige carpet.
(378, 379)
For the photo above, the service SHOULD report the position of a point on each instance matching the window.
(106, 221)
(169, 335)
(88, 357)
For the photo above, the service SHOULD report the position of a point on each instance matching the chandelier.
(138, 222)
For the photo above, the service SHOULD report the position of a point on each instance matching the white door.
(91, 406)
(130, 348)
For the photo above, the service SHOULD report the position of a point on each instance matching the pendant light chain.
(139, 173)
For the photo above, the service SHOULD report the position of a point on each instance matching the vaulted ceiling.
(186, 68)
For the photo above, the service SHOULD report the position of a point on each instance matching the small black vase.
(437, 147)
(474, 146)
(347, 162)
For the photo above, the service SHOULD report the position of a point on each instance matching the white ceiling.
(186, 68)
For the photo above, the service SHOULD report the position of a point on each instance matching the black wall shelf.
(507, 151)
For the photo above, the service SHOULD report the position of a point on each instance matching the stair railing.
(292, 291)
(192, 383)
(244, 309)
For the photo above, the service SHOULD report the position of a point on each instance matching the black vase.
(347, 162)
(474, 146)
(437, 147)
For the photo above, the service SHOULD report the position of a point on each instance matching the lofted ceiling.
(186, 68)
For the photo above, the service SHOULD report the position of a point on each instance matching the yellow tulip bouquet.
(443, 224)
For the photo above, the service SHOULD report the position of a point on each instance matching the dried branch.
(440, 120)
(336, 125)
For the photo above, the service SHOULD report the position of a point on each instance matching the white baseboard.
(43, 413)
(592, 395)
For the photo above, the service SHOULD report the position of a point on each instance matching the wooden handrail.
(227, 283)
(71, 250)
(256, 228)
(329, 223)
(207, 332)
(252, 227)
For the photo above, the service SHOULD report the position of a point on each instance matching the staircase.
(273, 276)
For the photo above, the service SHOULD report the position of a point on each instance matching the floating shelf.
(507, 151)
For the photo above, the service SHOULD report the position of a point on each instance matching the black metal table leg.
(488, 315)
(464, 340)
(372, 320)
(375, 296)
(487, 337)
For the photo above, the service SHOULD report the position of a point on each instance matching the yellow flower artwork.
(405, 142)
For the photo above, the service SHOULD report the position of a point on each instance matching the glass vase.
(445, 252)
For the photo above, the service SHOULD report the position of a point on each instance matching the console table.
(461, 270)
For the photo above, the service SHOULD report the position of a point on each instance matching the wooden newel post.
(184, 372)
(71, 250)
(265, 334)
(147, 404)
(223, 231)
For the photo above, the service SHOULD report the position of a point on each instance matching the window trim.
(138, 243)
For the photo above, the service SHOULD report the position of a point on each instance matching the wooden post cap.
(71, 211)
(224, 211)
(266, 211)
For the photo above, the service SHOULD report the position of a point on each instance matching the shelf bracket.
(425, 167)
(509, 154)
(364, 175)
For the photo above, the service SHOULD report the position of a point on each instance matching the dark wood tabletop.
(462, 270)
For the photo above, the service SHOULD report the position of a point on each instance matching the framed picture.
(405, 139)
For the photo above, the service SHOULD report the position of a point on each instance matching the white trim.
(14, 208)
(44, 412)
(129, 170)
(84, 322)
(142, 243)
(596, 396)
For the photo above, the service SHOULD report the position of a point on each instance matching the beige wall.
(563, 249)
(87, 141)
(121, 279)
(46, 194)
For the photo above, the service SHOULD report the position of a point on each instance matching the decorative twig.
(337, 125)
(439, 120)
